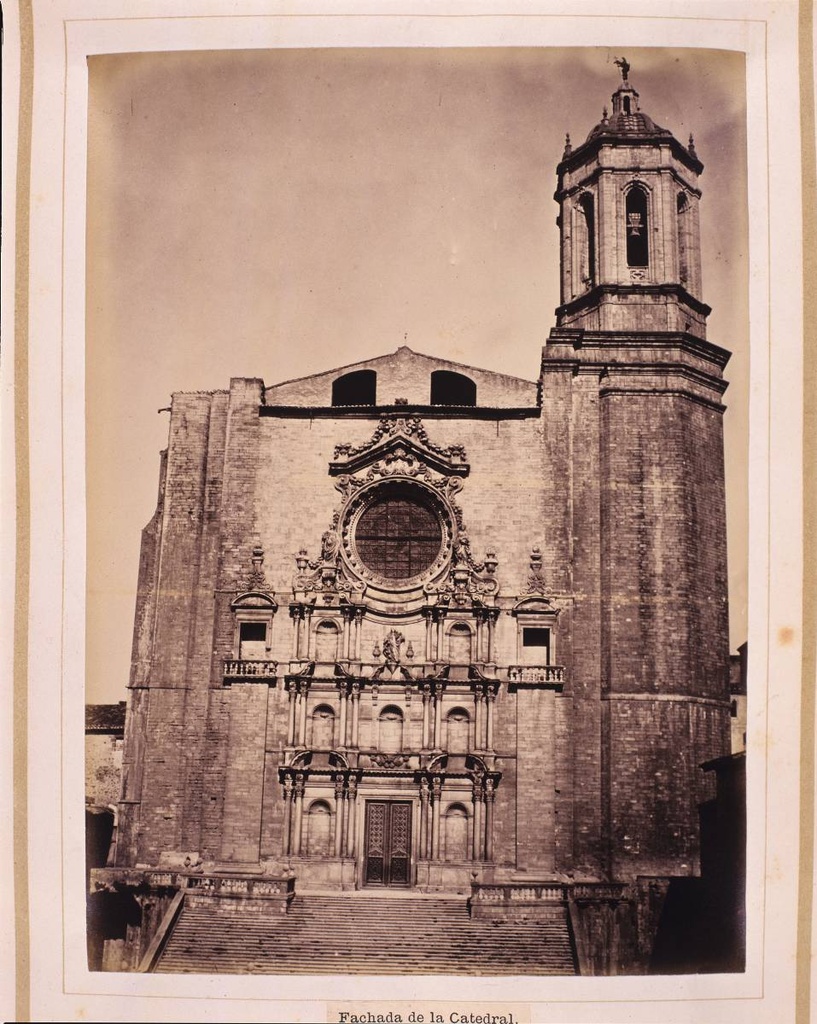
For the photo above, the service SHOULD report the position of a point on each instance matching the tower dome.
(630, 240)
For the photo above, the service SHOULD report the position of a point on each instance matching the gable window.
(356, 388)
(449, 388)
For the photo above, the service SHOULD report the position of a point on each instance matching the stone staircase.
(348, 935)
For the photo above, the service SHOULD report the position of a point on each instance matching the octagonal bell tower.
(630, 247)
(632, 424)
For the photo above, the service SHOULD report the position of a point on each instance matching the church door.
(387, 843)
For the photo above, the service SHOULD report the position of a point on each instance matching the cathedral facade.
(414, 627)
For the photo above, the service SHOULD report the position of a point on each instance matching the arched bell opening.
(637, 227)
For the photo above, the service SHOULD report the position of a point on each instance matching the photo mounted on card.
(413, 364)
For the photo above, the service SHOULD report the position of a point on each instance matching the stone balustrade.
(515, 894)
(554, 674)
(242, 670)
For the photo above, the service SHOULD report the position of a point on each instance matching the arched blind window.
(326, 642)
(391, 730)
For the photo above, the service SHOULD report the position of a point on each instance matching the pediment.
(400, 440)
(255, 599)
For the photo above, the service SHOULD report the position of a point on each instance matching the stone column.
(338, 837)
(358, 619)
(490, 794)
(352, 818)
(440, 637)
(490, 700)
(426, 698)
(438, 709)
(436, 794)
(303, 690)
(293, 698)
(348, 619)
(429, 635)
(478, 846)
(306, 642)
(297, 614)
(477, 718)
(423, 844)
(343, 701)
(355, 715)
(287, 826)
(298, 815)
(491, 624)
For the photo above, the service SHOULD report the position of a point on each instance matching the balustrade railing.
(512, 894)
(257, 888)
(536, 673)
(237, 668)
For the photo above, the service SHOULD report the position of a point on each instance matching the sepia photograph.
(435, 667)
(403, 443)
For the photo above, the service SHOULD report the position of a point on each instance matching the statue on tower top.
(624, 66)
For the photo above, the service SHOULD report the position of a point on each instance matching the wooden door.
(387, 843)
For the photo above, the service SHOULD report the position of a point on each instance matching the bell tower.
(632, 427)
(628, 216)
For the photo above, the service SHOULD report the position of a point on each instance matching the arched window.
(356, 388)
(390, 740)
(587, 240)
(449, 388)
(638, 245)
(323, 728)
(457, 727)
(456, 833)
(459, 644)
(684, 237)
(326, 641)
(318, 829)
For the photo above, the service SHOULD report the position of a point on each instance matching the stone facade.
(413, 624)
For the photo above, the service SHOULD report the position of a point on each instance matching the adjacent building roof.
(105, 717)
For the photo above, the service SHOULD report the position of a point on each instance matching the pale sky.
(275, 213)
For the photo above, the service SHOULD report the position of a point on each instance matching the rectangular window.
(534, 637)
(253, 631)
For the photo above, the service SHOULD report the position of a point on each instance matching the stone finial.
(605, 117)
(691, 146)
(568, 146)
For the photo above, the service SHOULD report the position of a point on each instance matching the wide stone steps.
(345, 935)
